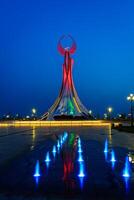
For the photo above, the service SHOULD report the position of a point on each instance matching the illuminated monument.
(67, 105)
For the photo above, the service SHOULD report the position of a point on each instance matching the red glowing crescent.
(62, 50)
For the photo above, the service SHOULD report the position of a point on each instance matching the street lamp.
(109, 109)
(34, 111)
(90, 112)
(131, 99)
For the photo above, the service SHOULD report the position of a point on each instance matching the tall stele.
(67, 105)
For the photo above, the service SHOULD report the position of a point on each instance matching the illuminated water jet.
(58, 144)
(79, 141)
(65, 135)
(61, 140)
(81, 174)
(81, 179)
(37, 169)
(127, 168)
(106, 147)
(79, 150)
(47, 158)
(81, 166)
(113, 157)
(54, 151)
(79, 145)
(80, 158)
(81, 171)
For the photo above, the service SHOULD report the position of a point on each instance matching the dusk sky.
(31, 67)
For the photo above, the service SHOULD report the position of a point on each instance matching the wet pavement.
(65, 163)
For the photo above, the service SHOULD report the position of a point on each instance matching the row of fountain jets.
(54, 151)
(126, 171)
(127, 168)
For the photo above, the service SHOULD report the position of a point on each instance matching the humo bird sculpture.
(67, 105)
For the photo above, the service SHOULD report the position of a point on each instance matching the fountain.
(54, 151)
(47, 158)
(79, 150)
(81, 174)
(61, 140)
(113, 160)
(80, 158)
(79, 144)
(58, 144)
(106, 147)
(65, 135)
(127, 173)
(81, 171)
(79, 141)
(127, 168)
(37, 169)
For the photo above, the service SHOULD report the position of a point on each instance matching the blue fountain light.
(64, 137)
(79, 150)
(106, 147)
(126, 171)
(47, 158)
(81, 172)
(61, 140)
(65, 134)
(79, 145)
(79, 141)
(113, 157)
(37, 169)
(58, 144)
(54, 149)
(80, 158)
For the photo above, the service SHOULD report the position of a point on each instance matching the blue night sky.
(30, 66)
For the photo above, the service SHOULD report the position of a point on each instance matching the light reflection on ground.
(73, 165)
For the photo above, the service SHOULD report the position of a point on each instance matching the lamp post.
(109, 109)
(34, 111)
(131, 99)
